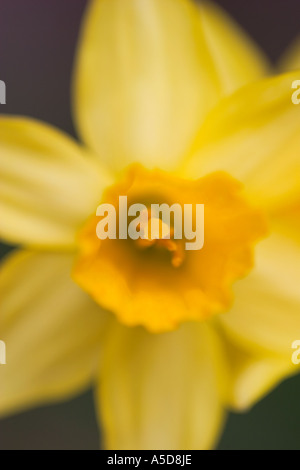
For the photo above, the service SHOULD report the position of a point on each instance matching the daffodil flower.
(172, 106)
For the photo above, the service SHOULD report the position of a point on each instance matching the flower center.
(156, 233)
(160, 271)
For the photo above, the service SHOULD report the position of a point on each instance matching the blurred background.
(37, 44)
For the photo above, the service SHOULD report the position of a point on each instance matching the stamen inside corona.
(156, 232)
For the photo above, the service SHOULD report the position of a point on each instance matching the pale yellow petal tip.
(239, 59)
(291, 58)
(48, 184)
(257, 380)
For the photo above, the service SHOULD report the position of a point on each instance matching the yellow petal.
(266, 312)
(48, 186)
(147, 73)
(264, 323)
(291, 58)
(52, 331)
(236, 58)
(252, 374)
(255, 136)
(161, 391)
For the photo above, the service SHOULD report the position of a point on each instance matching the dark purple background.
(37, 43)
